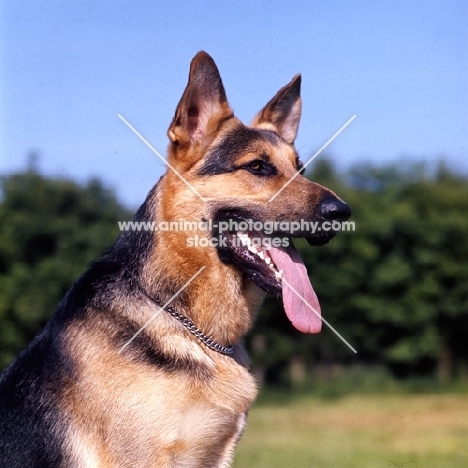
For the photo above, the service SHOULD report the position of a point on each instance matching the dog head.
(247, 180)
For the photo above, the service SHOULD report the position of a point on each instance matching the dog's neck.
(213, 295)
(218, 301)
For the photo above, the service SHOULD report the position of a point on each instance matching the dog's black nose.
(335, 209)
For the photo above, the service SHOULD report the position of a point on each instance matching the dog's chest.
(204, 436)
(210, 420)
(189, 422)
(163, 420)
(207, 417)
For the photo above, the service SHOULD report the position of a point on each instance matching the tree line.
(396, 288)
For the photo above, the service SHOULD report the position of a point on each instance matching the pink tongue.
(303, 311)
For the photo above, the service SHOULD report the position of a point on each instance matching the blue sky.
(68, 69)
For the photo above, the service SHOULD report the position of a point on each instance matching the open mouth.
(274, 265)
(251, 251)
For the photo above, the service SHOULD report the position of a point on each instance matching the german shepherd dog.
(142, 364)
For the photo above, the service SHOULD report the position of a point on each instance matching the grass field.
(410, 431)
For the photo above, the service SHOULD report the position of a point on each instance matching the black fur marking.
(132, 248)
(146, 351)
(222, 158)
(31, 430)
(300, 166)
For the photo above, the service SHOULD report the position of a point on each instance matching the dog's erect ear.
(283, 112)
(203, 105)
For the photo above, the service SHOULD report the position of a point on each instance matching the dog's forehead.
(242, 140)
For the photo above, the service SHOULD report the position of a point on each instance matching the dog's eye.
(256, 165)
(259, 167)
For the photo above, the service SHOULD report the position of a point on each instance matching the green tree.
(51, 229)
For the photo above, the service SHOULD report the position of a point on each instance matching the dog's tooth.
(268, 260)
(279, 275)
(261, 255)
(245, 241)
(244, 238)
(272, 267)
(253, 249)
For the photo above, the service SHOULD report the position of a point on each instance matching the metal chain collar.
(187, 323)
(190, 326)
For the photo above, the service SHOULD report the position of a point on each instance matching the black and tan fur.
(167, 400)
